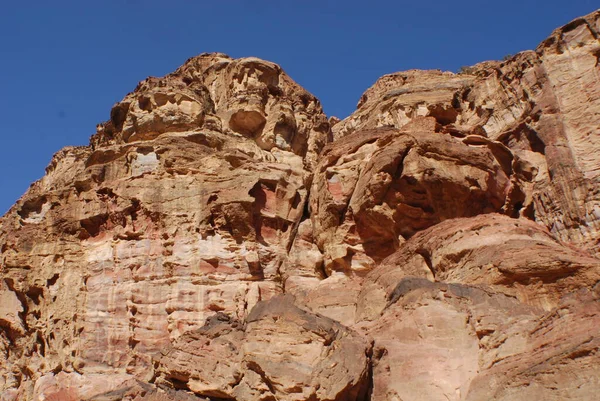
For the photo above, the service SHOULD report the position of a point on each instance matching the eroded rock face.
(451, 341)
(75, 387)
(427, 342)
(558, 359)
(176, 212)
(247, 97)
(282, 352)
(213, 243)
(541, 104)
(516, 257)
(374, 189)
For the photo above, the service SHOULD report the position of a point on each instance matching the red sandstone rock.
(374, 189)
(450, 341)
(542, 104)
(169, 217)
(282, 352)
(443, 247)
(516, 257)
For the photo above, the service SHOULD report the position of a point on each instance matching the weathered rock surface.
(99, 387)
(213, 243)
(450, 341)
(516, 257)
(374, 189)
(170, 216)
(282, 352)
(247, 97)
(542, 104)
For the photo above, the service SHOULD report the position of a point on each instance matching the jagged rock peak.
(579, 32)
(246, 97)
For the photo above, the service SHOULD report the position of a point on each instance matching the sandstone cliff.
(221, 239)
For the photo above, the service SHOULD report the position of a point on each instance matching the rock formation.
(222, 239)
(543, 105)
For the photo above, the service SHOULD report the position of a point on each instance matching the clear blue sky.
(63, 64)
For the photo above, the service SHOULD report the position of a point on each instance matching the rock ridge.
(222, 239)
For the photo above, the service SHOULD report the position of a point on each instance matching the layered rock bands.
(222, 239)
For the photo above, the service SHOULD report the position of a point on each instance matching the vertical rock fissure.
(427, 258)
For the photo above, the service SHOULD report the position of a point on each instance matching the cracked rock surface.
(222, 239)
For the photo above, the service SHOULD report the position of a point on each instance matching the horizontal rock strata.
(222, 239)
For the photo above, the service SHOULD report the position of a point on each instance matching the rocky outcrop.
(244, 98)
(282, 352)
(450, 341)
(175, 212)
(542, 104)
(518, 258)
(374, 189)
(220, 238)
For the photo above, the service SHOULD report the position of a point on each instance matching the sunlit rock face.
(221, 238)
(240, 98)
(542, 104)
(185, 205)
(374, 189)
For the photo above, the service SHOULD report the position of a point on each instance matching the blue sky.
(65, 63)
